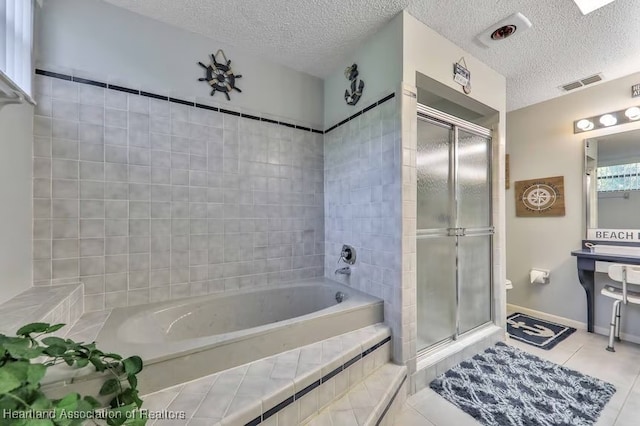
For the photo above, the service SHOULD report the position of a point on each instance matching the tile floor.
(582, 351)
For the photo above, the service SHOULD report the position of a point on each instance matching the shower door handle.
(456, 232)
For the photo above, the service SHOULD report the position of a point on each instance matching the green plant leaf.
(82, 362)
(133, 381)
(52, 340)
(68, 403)
(55, 350)
(35, 372)
(54, 327)
(97, 363)
(41, 403)
(19, 351)
(132, 365)
(136, 422)
(34, 327)
(121, 417)
(84, 407)
(8, 381)
(17, 369)
(110, 386)
(38, 422)
(94, 403)
(113, 356)
(136, 419)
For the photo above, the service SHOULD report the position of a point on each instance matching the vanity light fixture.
(608, 119)
(632, 113)
(584, 125)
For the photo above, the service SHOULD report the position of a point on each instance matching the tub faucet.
(343, 271)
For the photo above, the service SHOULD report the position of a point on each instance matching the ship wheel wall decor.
(220, 76)
(357, 86)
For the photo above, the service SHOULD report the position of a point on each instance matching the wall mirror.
(612, 181)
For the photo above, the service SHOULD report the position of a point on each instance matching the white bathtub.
(185, 339)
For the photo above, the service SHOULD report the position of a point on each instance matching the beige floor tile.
(630, 412)
(410, 417)
(441, 412)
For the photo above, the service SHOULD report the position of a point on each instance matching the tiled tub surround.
(286, 389)
(55, 305)
(145, 200)
(186, 339)
(363, 206)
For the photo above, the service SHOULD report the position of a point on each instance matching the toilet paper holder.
(539, 276)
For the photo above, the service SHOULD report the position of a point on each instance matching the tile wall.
(363, 206)
(144, 200)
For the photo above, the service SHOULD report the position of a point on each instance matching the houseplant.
(24, 360)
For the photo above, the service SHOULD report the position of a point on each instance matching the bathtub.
(185, 339)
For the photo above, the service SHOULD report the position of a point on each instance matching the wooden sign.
(542, 197)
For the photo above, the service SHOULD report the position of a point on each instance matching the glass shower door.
(436, 250)
(474, 217)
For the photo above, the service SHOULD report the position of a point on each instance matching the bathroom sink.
(618, 250)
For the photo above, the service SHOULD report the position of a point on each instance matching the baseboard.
(569, 322)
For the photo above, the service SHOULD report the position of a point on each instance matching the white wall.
(379, 63)
(16, 139)
(541, 143)
(108, 42)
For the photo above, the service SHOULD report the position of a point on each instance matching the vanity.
(610, 252)
(612, 206)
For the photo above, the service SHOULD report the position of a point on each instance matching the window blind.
(16, 32)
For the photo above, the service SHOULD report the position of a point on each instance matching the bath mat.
(504, 386)
(534, 331)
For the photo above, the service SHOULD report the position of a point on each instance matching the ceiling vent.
(508, 27)
(581, 83)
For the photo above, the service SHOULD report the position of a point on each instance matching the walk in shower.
(454, 228)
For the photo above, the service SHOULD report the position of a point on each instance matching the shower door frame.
(436, 117)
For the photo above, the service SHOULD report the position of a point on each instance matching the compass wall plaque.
(219, 75)
(540, 197)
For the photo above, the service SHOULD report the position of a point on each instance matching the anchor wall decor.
(353, 97)
(220, 76)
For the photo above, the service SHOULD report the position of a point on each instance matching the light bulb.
(584, 125)
(608, 120)
(632, 113)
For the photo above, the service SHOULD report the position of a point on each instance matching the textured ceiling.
(315, 36)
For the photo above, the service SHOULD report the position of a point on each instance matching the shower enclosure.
(454, 227)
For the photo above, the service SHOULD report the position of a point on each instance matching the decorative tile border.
(207, 107)
(170, 99)
(289, 400)
(359, 113)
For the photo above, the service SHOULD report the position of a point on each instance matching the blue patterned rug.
(534, 331)
(504, 386)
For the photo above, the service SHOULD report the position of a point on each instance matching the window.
(622, 177)
(16, 36)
